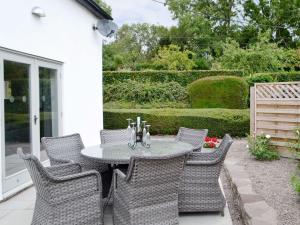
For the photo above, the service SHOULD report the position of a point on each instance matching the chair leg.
(222, 213)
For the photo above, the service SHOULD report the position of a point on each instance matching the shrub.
(133, 91)
(260, 147)
(259, 78)
(167, 121)
(219, 92)
(182, 77)
(281, 76)
(295, 180)
(150, 105)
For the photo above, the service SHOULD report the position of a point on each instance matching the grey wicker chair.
(194, 137)
(64, 194)
(66, 149)
(199, 189)
(148, 194)
(114, 136)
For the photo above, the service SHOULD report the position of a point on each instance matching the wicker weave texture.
(199, 189)
(194, 137)
(67, 149)
(65, 195)
(114, 136)
(148, 194)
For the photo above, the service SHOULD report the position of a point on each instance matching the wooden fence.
(275, 110)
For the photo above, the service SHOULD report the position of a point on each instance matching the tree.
(281, 17)
(259, 57)
(104, 6)
(171, 58)
(134, 44)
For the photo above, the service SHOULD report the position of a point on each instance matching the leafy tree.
(104, 6)
(259, 57)
(282, 17)
(171, 58)
(134, 44)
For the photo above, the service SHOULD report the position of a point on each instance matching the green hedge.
(219, 92)
(182, 77)
(167, 121)
(145, 92)
(274, 77)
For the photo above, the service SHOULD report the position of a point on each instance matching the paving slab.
(18, 210)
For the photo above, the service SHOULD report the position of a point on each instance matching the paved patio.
(19, 209)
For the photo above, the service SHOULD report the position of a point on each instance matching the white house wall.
(66, 35)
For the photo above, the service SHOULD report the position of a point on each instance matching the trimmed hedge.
(274, 77)
(219, 92)
(144, 92)
(167, 121)
(182, 77)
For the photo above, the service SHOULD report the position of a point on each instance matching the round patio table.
(120, 153)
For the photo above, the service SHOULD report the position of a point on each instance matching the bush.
(182, 77)
(259, 78)
(282, 76)
(260, 147)
(219, 92)
(167, 121)
(133, 91)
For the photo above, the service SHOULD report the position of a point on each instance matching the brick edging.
(254, 209)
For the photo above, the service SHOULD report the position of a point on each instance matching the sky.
(140, 11)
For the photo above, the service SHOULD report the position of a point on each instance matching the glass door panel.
(48, 105)
(17, 114)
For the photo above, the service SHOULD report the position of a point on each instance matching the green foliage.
(167, 121)
(104, 6)
(182, 77)
(135, 44)
(261, 148)
(147, 105)
(259, 78)
(281, 16)
(282, 76)
(133, 91)
(172, 58)
(295, 181)
(259, 57)
(295, 145)
(219, 92)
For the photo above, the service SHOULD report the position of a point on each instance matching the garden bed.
(270, 180)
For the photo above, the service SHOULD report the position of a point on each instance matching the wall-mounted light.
(38, 11)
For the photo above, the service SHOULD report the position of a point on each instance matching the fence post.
(252, 110)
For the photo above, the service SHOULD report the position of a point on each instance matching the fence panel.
(276, 108)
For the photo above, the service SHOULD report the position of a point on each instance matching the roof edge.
(95, 9)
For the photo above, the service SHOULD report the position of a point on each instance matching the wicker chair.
(67, 149)
(148, 194)
(194, 137)
(64, 194)
(114, 136)
(200, 190)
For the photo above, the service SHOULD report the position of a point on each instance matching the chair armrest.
(202, 163)
(77, 176)
(64, 169)
(56, 161)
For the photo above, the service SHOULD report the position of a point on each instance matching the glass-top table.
(120, 153)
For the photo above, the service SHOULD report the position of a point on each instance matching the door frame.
(34, 63)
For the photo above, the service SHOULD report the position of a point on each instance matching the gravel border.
(270, 180)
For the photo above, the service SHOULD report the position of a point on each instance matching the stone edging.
(254, 209)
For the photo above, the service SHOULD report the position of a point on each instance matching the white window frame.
(35, 62)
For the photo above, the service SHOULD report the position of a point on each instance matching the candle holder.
(139, 134)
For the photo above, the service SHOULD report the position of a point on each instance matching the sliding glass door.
(31, 110)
